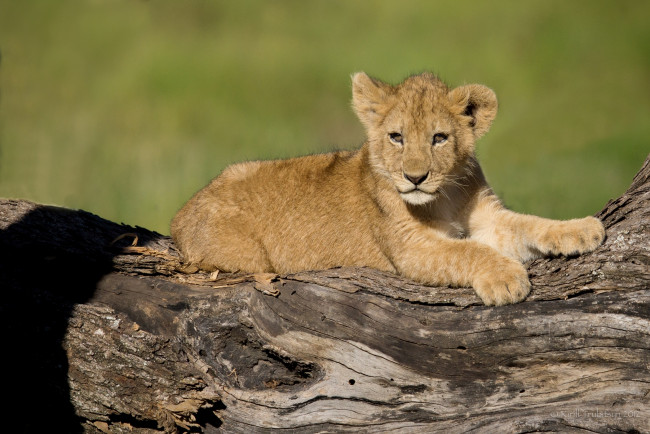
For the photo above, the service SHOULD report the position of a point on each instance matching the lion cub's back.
(296, 186)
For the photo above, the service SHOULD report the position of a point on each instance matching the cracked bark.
(107, 337)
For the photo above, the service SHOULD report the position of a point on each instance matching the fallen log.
(108, 331)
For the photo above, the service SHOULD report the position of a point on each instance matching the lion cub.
(412, 200)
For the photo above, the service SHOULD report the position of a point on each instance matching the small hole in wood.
(351, 381)
(522, 390)
(460, 347)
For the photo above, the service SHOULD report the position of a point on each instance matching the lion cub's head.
(420, 132)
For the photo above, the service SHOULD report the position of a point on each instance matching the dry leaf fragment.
(264, 283)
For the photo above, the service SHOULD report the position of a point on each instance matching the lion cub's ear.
(369, 98)
(477, 101)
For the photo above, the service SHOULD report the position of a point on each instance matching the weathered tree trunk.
(104, 337)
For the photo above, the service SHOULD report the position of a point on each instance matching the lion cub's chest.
(444, 217)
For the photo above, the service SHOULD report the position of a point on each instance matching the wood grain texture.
(104, 336)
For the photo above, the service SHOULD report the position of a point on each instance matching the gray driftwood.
(103, 336)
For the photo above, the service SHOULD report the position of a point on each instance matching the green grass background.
(126, 108)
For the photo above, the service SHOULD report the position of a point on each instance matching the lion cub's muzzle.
(415, 190)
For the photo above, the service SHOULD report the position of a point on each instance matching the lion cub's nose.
(416, 180)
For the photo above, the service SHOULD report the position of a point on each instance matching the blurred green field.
(126, 108)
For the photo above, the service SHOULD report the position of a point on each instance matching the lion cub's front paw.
(504, 281)
(572, 237)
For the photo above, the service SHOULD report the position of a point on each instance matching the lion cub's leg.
(525, 237)
(220, 241)
(437, 260)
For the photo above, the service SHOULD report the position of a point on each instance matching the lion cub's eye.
(396, 138)
(439, 138)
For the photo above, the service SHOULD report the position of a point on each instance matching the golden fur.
(412, 200)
